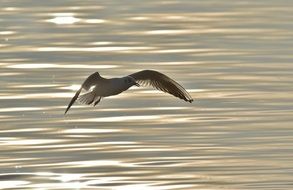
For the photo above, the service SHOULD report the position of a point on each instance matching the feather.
(161, 82)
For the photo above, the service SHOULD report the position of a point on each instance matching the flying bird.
(97, 87)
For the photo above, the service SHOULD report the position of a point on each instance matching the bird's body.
(110, 87)
(98, 87)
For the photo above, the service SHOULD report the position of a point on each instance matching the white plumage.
(98, 87)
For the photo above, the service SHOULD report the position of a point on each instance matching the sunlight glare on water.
(64, 18)
(233, 57)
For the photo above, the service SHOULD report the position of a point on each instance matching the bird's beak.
(136, 84)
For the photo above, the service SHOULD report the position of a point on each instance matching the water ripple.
(233, 57)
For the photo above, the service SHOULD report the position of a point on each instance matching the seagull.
(97, 87)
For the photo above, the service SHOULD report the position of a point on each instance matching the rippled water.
(234, 57)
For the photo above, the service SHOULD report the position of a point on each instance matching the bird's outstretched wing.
(161, 82)
(91, 81)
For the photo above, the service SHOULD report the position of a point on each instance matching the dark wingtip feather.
(72, 100)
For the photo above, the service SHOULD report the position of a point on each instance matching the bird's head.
(130, 81)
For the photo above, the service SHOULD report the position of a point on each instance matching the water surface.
(234, 57)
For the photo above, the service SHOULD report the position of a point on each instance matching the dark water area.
(233, 57)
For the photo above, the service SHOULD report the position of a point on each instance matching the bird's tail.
(89, 98)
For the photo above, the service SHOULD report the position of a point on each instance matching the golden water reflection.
(233, 57)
